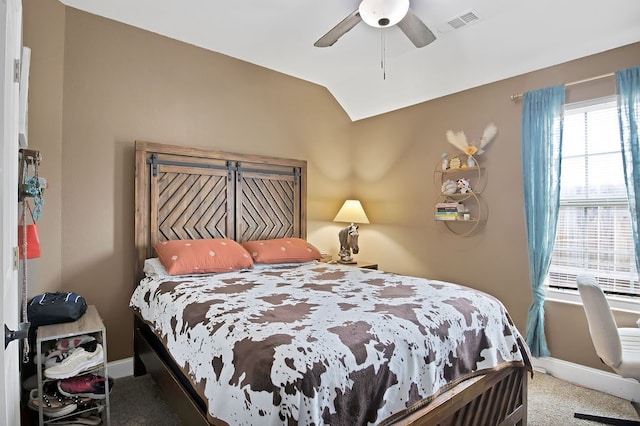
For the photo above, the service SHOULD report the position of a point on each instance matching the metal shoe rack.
(90, 323)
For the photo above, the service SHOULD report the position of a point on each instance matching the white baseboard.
(588, 377)
(120, 368)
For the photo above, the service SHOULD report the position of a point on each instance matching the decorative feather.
(488, 135)
(457, 139)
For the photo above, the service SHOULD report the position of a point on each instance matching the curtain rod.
(519, 96)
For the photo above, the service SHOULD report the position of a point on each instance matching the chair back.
(602, 324)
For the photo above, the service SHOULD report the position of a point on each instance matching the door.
(10, 45)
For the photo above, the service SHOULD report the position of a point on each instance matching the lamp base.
(347, 262)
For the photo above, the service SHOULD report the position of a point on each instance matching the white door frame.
(10, 47)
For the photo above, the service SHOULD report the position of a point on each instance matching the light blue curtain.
(542, 119)
(629, 116)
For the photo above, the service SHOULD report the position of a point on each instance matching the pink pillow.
(183, 257)
(282, 250)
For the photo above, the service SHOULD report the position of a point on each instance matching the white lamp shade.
(383, 13)
(351, 212)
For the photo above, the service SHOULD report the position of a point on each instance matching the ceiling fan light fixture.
(383, 13)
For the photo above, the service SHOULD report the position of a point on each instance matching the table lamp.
(350, 212)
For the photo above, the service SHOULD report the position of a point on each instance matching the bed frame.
(190, 193)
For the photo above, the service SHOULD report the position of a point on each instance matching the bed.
(303, 342)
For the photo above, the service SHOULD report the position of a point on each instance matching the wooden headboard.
(191, 193)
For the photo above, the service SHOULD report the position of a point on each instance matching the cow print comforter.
(324, 344)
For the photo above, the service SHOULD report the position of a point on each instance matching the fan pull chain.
(383, 54)
(25, 302)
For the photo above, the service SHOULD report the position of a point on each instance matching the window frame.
(627, 304)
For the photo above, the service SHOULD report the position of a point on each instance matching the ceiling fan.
(382, 14)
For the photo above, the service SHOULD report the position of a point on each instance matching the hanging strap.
(25, 206)
(23, 217)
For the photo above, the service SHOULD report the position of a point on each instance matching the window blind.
(594, 224)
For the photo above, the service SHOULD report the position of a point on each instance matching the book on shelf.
(446, 217)
(450, 206)
(448, 211)
(447, 205)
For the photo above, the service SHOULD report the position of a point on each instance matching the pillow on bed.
(282, 250)
(183, 257)
(153, 268)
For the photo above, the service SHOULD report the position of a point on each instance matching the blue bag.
(55, 308)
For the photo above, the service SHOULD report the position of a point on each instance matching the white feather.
(488, 135)
(457, 139)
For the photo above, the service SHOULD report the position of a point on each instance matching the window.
(594, 224)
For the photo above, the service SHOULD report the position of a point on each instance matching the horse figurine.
(348, 242)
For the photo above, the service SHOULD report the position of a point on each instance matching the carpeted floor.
(552, 402)
(138, 401)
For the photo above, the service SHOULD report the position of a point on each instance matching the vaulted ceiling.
(478, 41)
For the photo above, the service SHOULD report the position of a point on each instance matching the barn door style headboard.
(191, 193)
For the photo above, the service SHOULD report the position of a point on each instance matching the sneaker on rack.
(87, 385)
(54, 357)
(79, 360)
(51, 406)
(62, 349)
(45, 356)
(73, 342)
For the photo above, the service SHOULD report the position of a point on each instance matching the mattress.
(318, 344)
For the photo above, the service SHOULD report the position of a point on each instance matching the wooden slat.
(189, 153)
(153, 213)
(192, 204)
(267, 202)
(299, 204)
(142, 209)
(461, 405)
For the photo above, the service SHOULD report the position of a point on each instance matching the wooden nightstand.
(361, 264)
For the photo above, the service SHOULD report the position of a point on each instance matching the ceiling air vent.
(460, 21)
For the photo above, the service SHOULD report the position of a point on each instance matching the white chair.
(619, 348)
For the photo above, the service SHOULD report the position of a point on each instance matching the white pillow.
(153, 268)
(266, 266)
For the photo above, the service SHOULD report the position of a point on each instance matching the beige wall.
(97, 86)
(43, 31)
(121, 84)
(397, 153)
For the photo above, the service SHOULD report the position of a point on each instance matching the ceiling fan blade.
(339, 30)
(416, 30)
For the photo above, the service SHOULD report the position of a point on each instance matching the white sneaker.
(54, 357)
(78, 361)
(73, 342)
